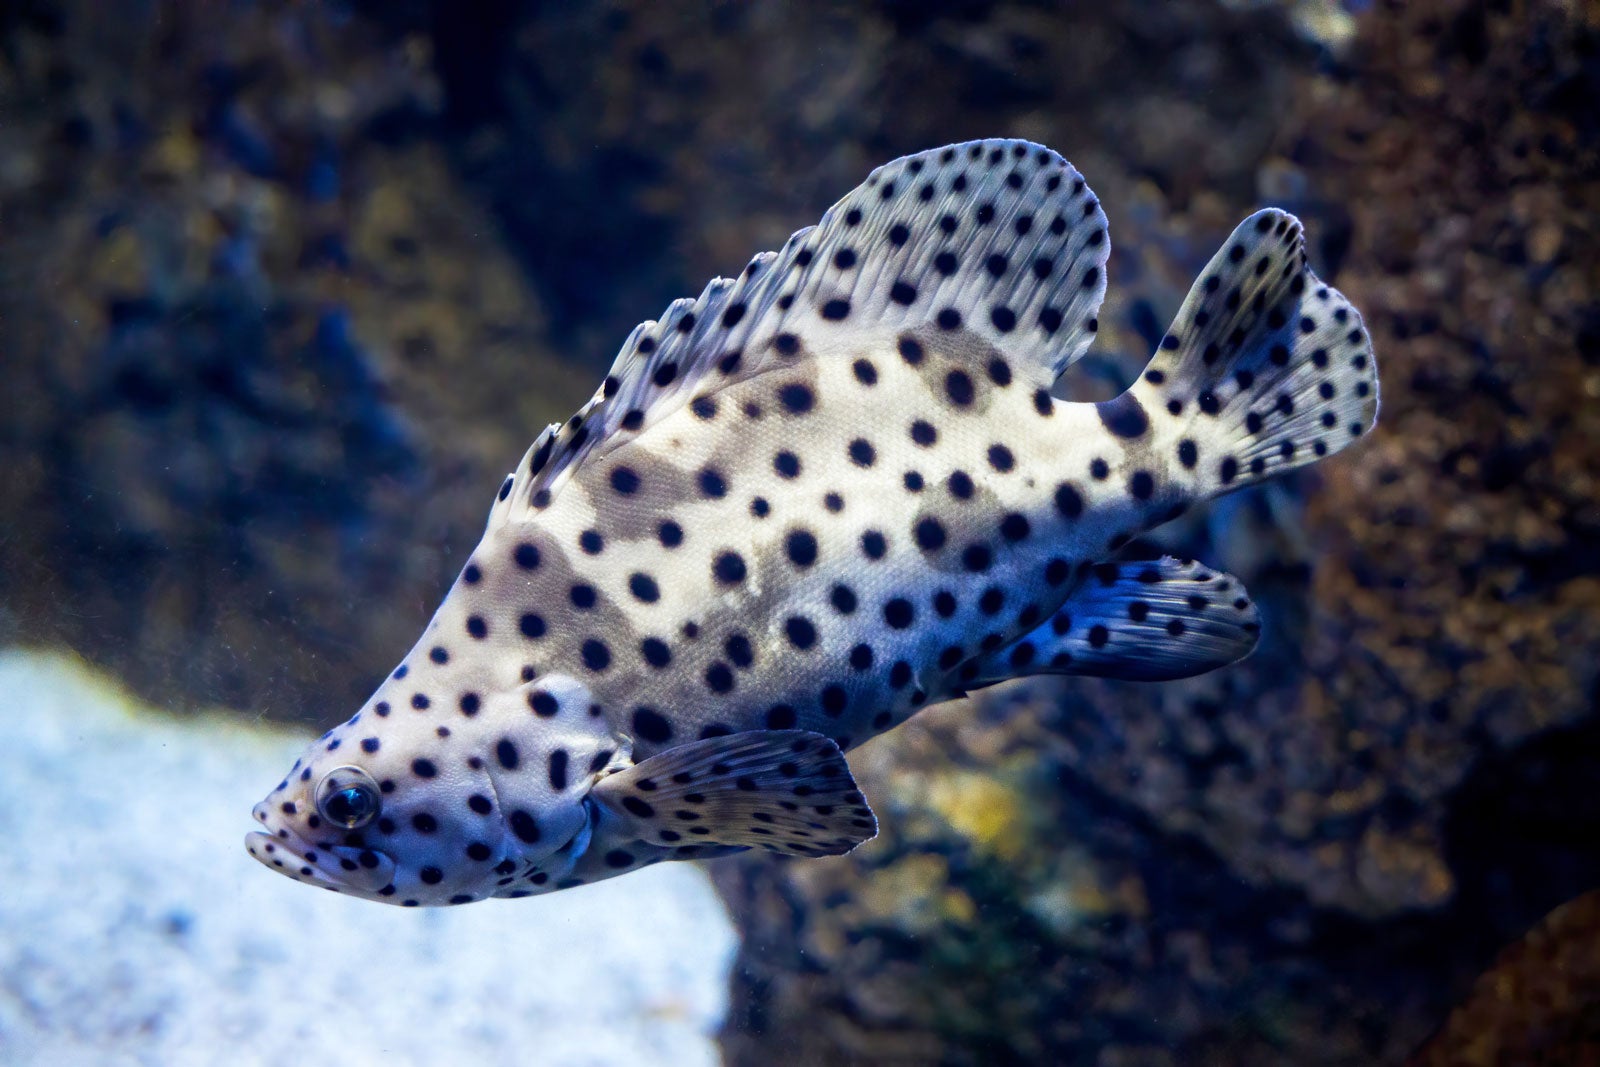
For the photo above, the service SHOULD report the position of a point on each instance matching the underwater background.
(286, 288)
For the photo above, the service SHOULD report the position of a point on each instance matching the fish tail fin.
(1265, 369)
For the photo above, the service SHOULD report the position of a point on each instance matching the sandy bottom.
(135, 929)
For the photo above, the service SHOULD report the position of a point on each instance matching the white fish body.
(801, 507)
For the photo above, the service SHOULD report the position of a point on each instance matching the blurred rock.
(1540, 1003)
(689, 136)
(1455, 608)
(1010, 913)
(265, 361)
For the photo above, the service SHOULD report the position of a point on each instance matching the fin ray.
(1006, 234)
(787, 791)
(1266, 368)
(1148, 622)
(1002, 239)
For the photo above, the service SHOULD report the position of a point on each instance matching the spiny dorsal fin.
(1145, 622)
(787, 791)
(507, 501)
(1002, 239)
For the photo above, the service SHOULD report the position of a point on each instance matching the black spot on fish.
(524, 826)
(728, 568)
(1069, 502)
(651, 726)
(958, 388)
(1124, 416)
(796, 398)
(800, 631)
(655, 652)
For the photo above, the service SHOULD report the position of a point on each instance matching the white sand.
(135, 929)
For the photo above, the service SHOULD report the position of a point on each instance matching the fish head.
(401, 807)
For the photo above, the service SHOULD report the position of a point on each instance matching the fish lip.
(287, 855)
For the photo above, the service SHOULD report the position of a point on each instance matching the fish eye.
(348, 797)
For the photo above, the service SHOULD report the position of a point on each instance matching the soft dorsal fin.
(1000, 238)
(1004, 234)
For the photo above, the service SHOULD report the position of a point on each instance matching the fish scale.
(781, 588)
(805, 504)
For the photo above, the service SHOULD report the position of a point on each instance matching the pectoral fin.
(787, 791)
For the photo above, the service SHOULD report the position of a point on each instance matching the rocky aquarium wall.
(285, 289)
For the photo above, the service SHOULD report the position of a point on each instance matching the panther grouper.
(819, 497)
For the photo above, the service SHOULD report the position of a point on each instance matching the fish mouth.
(352, 870)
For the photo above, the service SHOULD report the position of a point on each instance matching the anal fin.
(1150, 622)
(787, 791)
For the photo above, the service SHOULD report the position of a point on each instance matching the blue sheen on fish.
(821, 496)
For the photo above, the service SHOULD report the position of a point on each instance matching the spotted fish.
(804, 505)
